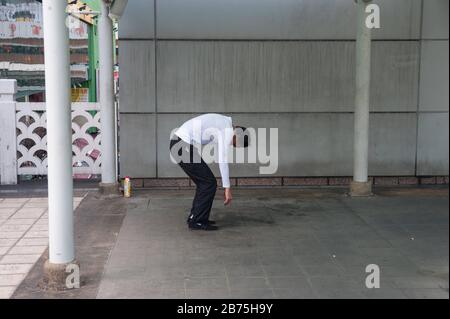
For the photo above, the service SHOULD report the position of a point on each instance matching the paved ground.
(97, 224)
(283, 243)
(23, 238)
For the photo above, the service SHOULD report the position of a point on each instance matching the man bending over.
(201, 130)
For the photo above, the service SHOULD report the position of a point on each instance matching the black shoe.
(200, 226)
(211, 222)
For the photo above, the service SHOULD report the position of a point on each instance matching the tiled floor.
(23, 238)
(293, 243)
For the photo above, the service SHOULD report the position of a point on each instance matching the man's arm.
(224, 143)
(224, 172)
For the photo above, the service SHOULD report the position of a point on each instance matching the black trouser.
(202, 176)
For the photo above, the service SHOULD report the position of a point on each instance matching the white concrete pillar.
(361, 185)
(59, 132)
(8, 138)
(108, 124)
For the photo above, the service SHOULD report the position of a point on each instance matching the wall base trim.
(292, 181)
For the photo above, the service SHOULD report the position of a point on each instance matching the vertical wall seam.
(419, 87)
(155, 48)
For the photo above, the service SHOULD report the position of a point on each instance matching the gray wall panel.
(432, 158)
(137, 76)
(435, 19)
(314, 144)
(434, 78)
(137, 145)
(395, 76)
(137, 21)
(224, 76)
(392, 143)
(282, 19)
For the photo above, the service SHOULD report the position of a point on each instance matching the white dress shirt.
(210, 128)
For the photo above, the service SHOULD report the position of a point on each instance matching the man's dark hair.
(242, 138)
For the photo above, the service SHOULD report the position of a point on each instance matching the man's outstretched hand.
(228, 196)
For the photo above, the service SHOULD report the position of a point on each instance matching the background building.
(22, 50)
(288, 64)
(22, 58)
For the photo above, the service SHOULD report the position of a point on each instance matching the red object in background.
(81, 143)
(37, 97)
(36, 29)
(80, 31)
(94, 154)
(13, 28)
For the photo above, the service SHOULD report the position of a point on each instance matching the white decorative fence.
(32, 138)
(23, 137)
